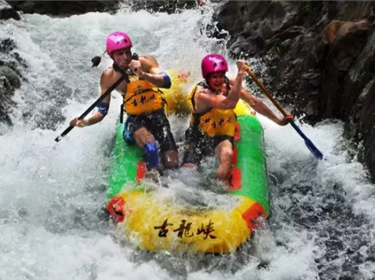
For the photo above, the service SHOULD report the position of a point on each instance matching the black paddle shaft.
(104, 95)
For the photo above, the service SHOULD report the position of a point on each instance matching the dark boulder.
(10, 78)
(7, 11)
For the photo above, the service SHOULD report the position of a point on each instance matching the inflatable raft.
(152, 224)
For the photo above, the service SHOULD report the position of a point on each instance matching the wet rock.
(338, 29)
(255, 19)
(7, 45)
(312, 79)
(13, 3)
(174, 6)
(64, 8)
(350, 10)
(346, 60)
(7, 80)
(361, 128)
(10, 78)
(28, 7)
(67, 8)
(7, 11)
(289, 33)
(337, 36)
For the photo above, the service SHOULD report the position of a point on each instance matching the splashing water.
(51, 195)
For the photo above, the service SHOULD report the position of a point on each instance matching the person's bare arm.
(148, 68)
(104, 105)
(263, 109)
(211, 100)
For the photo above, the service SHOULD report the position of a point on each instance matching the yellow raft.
(153, 223)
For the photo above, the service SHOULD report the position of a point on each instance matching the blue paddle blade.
(310, 145)
(313, 149)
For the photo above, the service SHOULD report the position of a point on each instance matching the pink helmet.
(213, 63)
(117, 41)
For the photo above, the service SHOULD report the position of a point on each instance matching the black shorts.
(199, 144)
(157, 124)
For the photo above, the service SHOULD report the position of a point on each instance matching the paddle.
(313, 149)
(95, 62)
(104, 95)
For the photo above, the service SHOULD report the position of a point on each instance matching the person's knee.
(142, 136)
(226, 153)
(223, 172)
(225, 158)
(170, 159)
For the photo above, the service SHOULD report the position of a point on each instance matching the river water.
(51, 194)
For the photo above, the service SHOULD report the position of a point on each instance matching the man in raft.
(143, 102)
(213, 121)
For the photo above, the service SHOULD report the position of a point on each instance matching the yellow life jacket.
(141, 96)
(213, 121)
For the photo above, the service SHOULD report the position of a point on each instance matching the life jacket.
(213, 121)
(141, 96)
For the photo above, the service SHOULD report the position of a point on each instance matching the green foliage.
(274, 47)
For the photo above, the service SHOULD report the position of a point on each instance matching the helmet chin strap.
(118, 68)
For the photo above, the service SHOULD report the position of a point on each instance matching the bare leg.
(169, 158)
(142, 136)
(224, 152)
